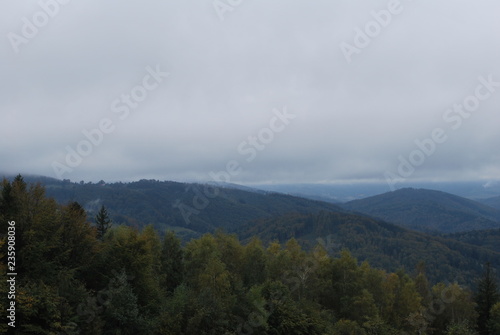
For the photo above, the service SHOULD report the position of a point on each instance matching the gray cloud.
(352, 121)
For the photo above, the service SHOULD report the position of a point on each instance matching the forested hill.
(492, 202)
(382, 244)
(428, 210)
(76, 277)
(190, 209)
(489, 239)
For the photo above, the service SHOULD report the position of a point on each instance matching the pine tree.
(19, 180)
(171, 262)
(6, 201)
(103, 222)
(486, 297)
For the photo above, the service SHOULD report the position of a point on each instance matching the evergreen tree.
(122, 311)
(19, 180)
(6, 201)
(103, 222)
(171, 262)
(422, 284)
(487, 296)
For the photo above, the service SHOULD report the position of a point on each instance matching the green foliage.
(171, 262)
(346, 284)
(253, 265)
(494, 323)
(461, 328)
(160, 202)
(382, 244)
(122, 308)
(487, 296)
(402, 301)
(102, 222)
(268, 216)
(348, 327)
(452, 304)
(133, 282)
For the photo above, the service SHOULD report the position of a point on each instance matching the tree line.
(81, 276)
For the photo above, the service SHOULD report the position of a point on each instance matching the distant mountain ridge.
(492, 202)
(348, 191)
(152, 201)
(428, 210)
(190, 209)
(274, 216)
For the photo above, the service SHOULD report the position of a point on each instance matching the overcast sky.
(324, 91)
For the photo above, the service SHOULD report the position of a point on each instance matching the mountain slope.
(277, 216)
(382, 244)
(190, 209)
(489, 239)
(427, 210)
(492, 202)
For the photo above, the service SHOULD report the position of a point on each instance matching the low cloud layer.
(178, 90)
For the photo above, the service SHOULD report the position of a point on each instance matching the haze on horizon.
(285, 92)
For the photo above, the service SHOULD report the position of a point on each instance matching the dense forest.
(192, 210)
(493, 202)
(489, 238)
(428, 211)
(86, 275)
(382, 244)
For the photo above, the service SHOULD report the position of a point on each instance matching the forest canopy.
(73, 278)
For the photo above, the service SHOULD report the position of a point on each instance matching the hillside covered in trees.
(191, 211)
(74, 277)
(428, 211)
(492, 202)
(489, 238)
(382, 244)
